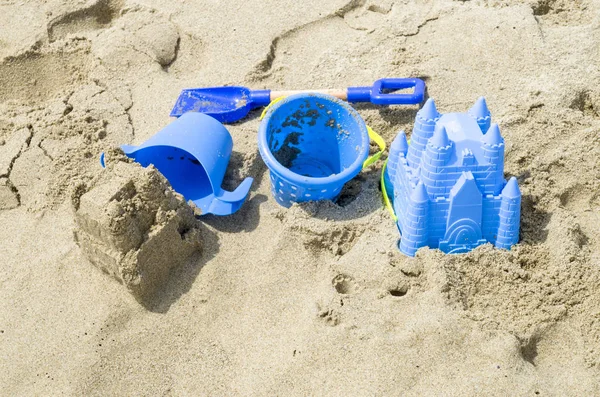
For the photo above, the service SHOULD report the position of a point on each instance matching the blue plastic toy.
(447, 187)
(229, 104)
(312, 144)
(192, 153)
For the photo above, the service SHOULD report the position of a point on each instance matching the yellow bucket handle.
(266, 109)
(386, 198)
(380, 142)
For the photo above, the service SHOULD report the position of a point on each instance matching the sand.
(316, 299)
(133, 226)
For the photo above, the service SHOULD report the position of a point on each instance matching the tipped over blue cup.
(193, 153)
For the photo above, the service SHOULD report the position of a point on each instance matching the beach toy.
(313, 144)
(192, 153)
(447, 187)
(229, 104)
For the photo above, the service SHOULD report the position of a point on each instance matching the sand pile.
(315, 299)
(133, 226)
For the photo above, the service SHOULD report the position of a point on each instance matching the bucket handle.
(380, 142)
(386, 197)
(266, 109)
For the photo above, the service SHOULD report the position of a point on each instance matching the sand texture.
(315, 299)
(132, 225)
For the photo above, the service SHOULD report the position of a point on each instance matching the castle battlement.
(447, 187)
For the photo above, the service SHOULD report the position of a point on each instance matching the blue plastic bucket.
(313, 144)
(193, 152)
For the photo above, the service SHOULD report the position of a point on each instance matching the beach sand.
(315, 299)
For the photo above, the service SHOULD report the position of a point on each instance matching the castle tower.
(492, 144)
(399, 147)
(422, 131)
(481, 114)
(437, 153)
(415, 228)
(510, 215)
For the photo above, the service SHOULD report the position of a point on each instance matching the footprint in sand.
(344, 284)
(328, 315)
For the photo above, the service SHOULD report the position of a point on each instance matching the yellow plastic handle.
(266, 109)
(386, 198)
(380, 142)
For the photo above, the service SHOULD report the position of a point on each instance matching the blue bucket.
(193, 152)
(313, 144)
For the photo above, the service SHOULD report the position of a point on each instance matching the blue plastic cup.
(312, 144)
(193, 153)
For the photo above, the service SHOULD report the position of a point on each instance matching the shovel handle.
(382, 92)
(341, 94)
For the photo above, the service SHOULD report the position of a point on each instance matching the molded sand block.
(133, 226)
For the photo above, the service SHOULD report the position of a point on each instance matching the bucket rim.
(286, 173)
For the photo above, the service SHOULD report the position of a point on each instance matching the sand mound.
(133, 226)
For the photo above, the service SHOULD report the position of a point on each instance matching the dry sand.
(314, 300)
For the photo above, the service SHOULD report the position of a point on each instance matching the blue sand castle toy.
(447, 187)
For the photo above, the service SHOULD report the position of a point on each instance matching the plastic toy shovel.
(229, 104)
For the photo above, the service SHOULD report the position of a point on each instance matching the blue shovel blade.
(226, 104)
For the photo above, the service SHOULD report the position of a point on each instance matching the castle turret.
(510, 214)
(400, 144)
(422, 131)
(492, 144)
(399, 147)
(481, 114)
(439, 139)
(415, 228)
(437, 153)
